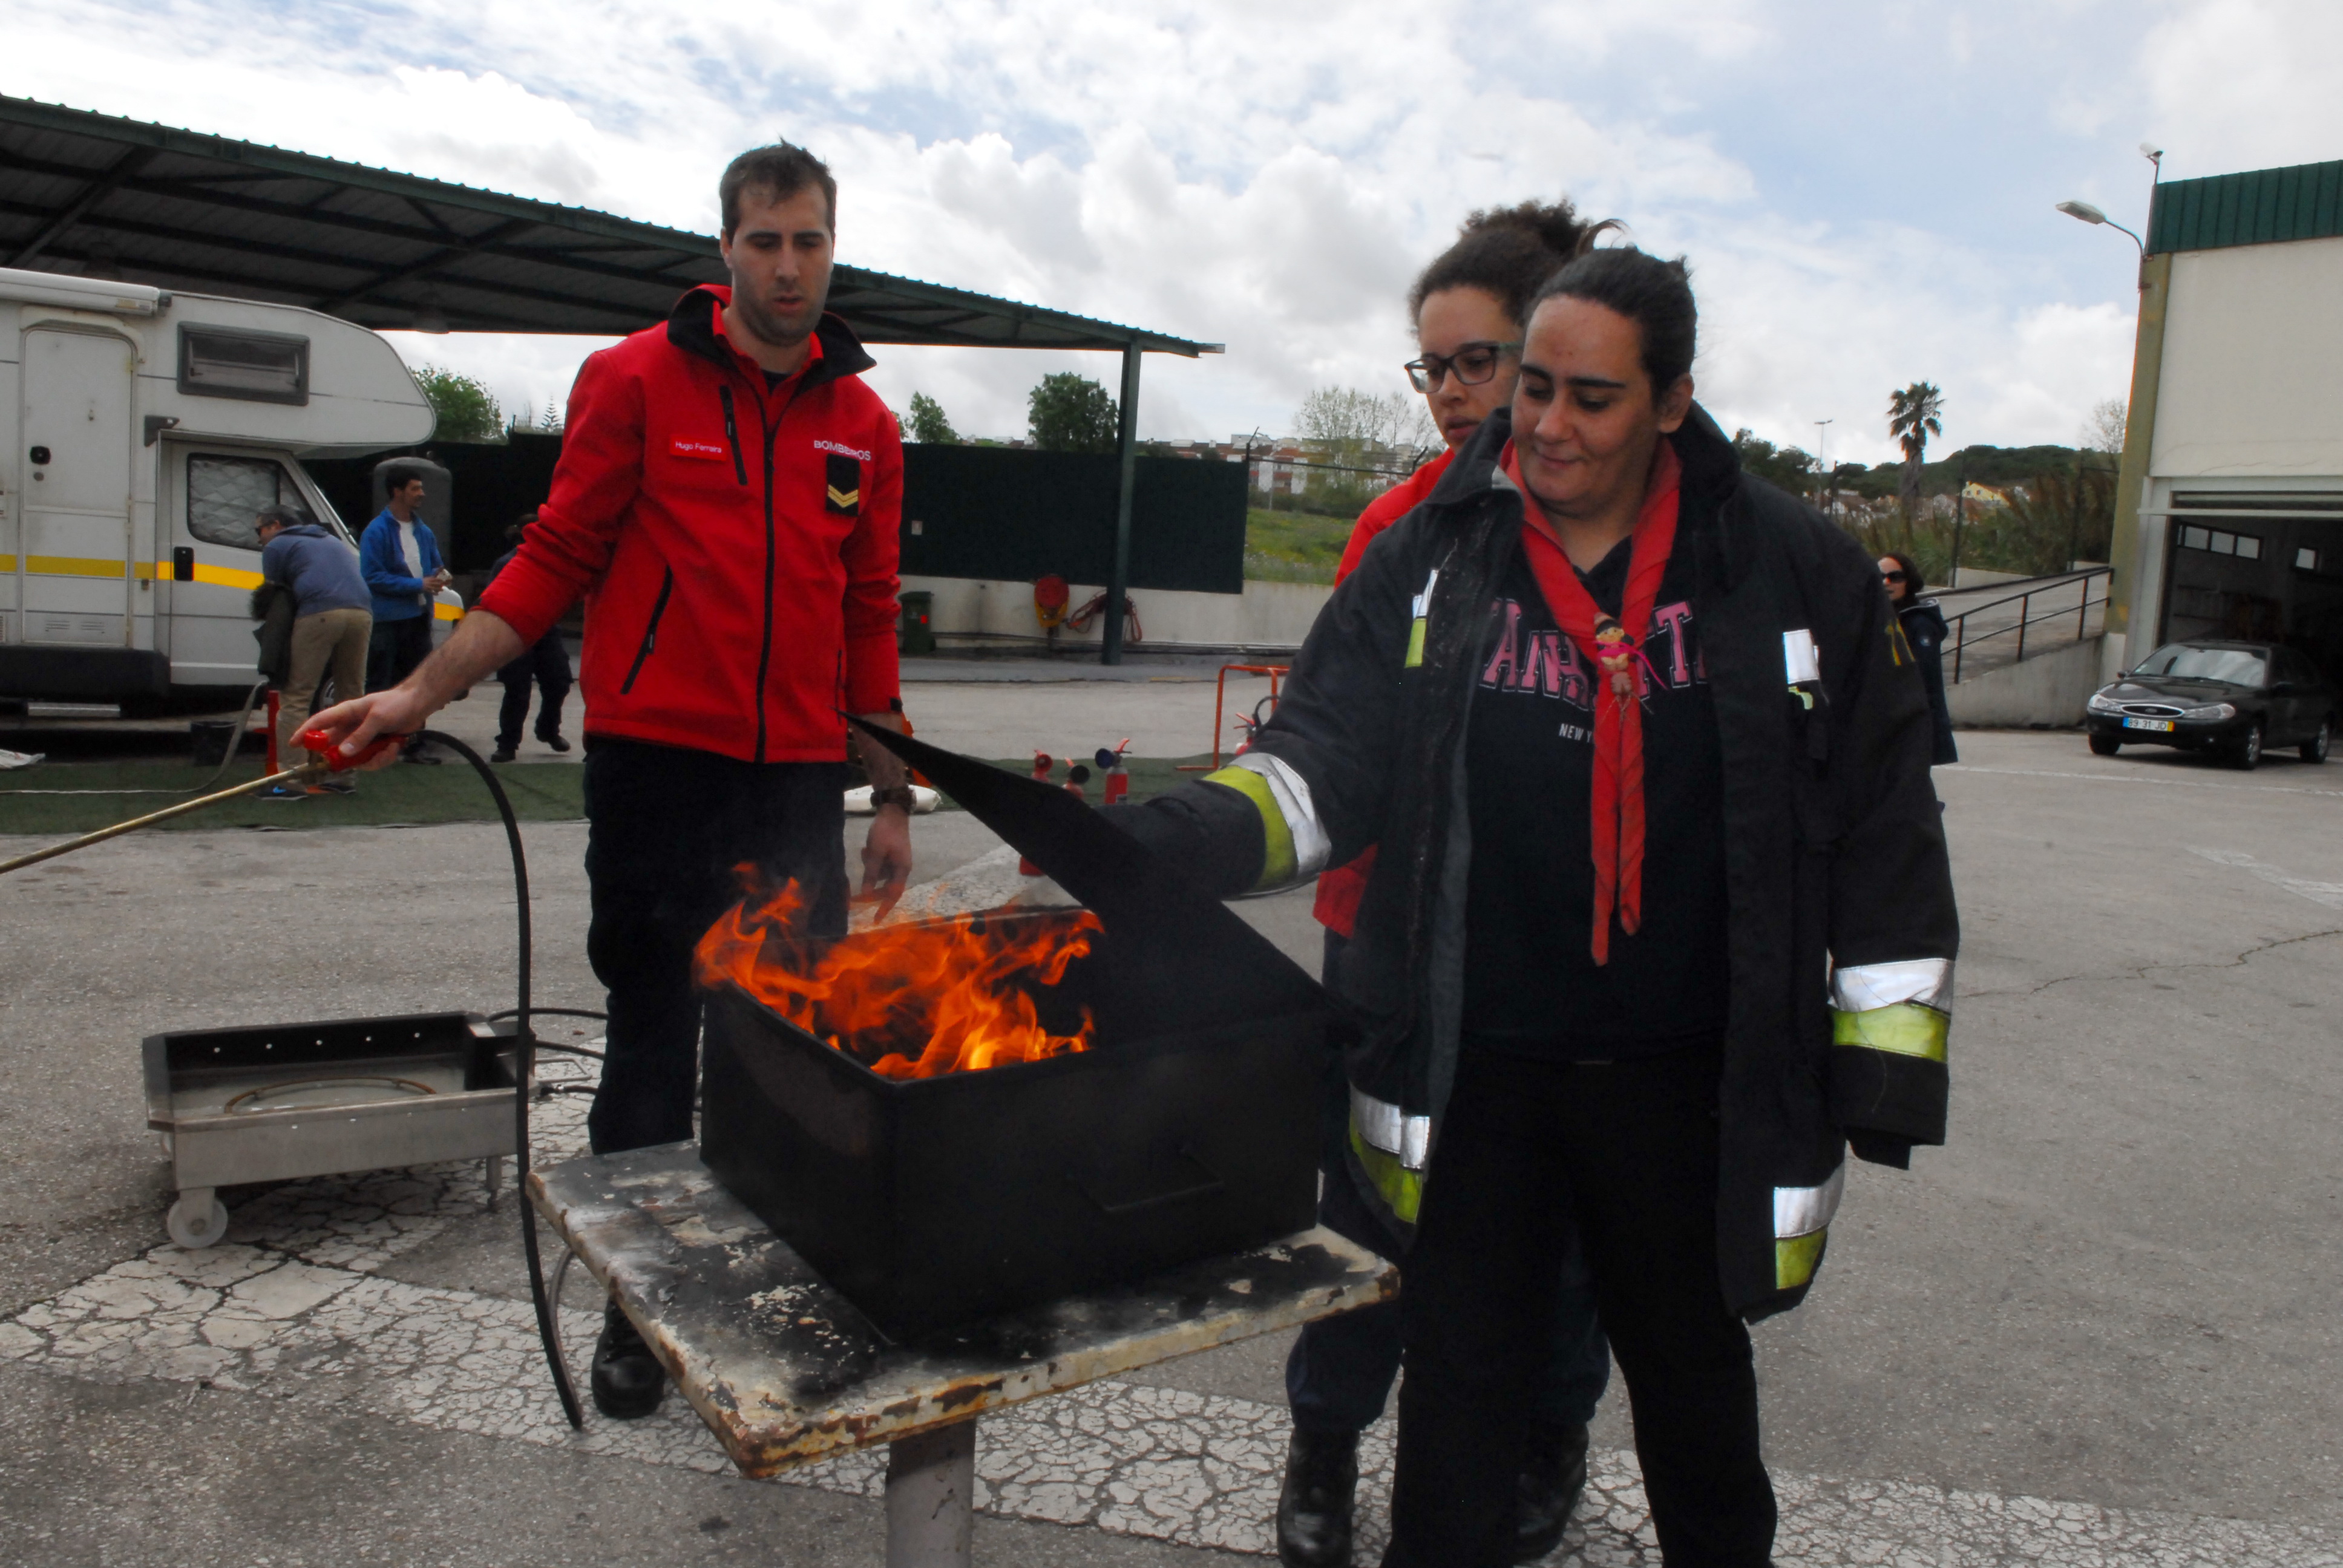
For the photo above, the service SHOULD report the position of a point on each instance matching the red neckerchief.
(1617, 829)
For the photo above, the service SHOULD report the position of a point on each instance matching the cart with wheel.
(284, 1101)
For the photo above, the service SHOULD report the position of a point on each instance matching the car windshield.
(2235, 666)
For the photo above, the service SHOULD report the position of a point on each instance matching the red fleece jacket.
(736, 543)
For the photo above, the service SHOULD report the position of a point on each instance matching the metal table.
(784, 1371)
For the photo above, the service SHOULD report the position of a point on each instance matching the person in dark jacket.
(1660, 926)
(1923, 620)
(1467, 306)
(331, 626)
(545, 668)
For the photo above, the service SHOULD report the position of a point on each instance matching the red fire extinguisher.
(1043, 763)
(1117, 782)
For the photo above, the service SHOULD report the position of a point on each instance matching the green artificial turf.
(451, 792)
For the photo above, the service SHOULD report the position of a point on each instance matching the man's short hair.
(280, 516)
(784, 169)
(398, 476)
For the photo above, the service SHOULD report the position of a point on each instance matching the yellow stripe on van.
(75, 567)
(222, 577)
(7, 563)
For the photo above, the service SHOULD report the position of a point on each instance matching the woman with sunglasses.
(1923, 620)
(1662, 925)
(1467, 308)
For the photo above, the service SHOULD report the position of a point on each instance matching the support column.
(1118, 586)
(2137, 547)
(930, 1491)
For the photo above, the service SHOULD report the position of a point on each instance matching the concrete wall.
(1268, 617)
(2253, 363)
(2044, 692)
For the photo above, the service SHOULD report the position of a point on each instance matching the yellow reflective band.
(1277, 860)
(1416, 644)
(75, 567)
(1401, 1189)
(448, 611)
(1906, 1029)
(1796, 1260)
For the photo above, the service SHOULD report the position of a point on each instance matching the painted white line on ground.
(2328, 893)
(2135, 778)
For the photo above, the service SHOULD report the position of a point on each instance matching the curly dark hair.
(1508, 252)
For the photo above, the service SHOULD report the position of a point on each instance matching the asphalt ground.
(2114, 1286)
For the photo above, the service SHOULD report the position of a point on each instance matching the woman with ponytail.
(1661, 927)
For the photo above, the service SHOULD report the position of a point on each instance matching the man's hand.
(481, 643)
(887, 852)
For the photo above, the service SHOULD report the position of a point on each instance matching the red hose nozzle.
(330, 753)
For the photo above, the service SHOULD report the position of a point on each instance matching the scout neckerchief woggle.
(1615, 647)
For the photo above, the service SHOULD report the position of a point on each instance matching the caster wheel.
(196, 1220)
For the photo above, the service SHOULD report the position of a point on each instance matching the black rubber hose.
(524, 1077)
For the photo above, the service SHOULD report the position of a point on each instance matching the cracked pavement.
(2098, 1328)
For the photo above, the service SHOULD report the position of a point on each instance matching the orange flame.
(958, 991)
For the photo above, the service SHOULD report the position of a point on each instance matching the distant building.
(1981, 495)
(2230, 504)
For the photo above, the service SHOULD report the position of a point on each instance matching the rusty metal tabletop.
(785, 1371)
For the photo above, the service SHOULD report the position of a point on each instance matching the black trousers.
(1626, 1153)
(394, 648)
(665, 829)
(546, 667)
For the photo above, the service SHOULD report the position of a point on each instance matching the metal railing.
(2079, 581)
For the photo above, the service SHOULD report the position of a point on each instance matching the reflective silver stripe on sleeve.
(1391, 1129)
(1310, 845)
(1803, 1210)
(1862, 987)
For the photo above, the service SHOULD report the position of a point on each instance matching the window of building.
(2221, 542)
(224, 492)
(2306, 561)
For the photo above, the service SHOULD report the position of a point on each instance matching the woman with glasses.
(1467, 308)
(1923, 620)
(1661, 927)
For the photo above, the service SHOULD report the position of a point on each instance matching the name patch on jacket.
(845, 486)
(704, 451)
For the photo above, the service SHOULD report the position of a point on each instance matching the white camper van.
(144, 429)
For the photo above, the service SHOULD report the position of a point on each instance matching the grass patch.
(1295, 547)
(541, 792)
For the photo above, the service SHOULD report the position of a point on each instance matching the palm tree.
(1913, 415)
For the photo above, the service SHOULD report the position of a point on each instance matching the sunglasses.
(1893, 576)
(1471, 365)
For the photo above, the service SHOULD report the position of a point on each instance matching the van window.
(224, 494)
(260, 366)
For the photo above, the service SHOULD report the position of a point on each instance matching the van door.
(212, 497)
(73, 555)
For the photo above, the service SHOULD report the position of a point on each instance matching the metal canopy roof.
(2258, 206)
(208, 215)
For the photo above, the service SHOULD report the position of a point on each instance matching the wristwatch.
(900, 795)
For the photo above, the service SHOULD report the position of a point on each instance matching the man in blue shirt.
(401, 562)
(331, 628)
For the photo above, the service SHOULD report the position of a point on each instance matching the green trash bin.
(918, 635)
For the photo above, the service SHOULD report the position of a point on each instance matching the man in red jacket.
(727, 504)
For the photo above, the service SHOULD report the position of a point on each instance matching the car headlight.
(2102, 703)
(2218, 711)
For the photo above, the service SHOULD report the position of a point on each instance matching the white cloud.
(1860, 185)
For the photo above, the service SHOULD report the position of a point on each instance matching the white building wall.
(2253, 364)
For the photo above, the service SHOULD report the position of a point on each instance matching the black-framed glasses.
(1471, 365)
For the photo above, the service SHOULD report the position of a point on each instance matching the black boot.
(628, 1379)
(1313, 1511)
(1553, 1475)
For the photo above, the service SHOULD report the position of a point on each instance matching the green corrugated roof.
(2260, 206)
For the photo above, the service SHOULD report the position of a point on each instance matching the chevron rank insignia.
(845, 497)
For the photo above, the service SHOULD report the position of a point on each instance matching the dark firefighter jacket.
(1841, 927)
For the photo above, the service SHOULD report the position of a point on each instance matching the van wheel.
(2315, 748)
(2247, 754)
(2104, 746)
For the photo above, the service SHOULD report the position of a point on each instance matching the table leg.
(930, 1488)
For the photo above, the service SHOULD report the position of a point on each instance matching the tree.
(1390, 432)
(466, 410)
(1913, 415)
(928, 425)
(1786, 466)
(2103, 430)
(1071, 413)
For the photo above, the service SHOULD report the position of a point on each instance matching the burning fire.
(956, 991)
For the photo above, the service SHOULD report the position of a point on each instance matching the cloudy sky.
(1864, 187)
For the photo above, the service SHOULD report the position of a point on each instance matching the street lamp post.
(2087, 213)
(1822, 463)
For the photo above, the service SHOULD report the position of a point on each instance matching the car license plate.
(2160, 724)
